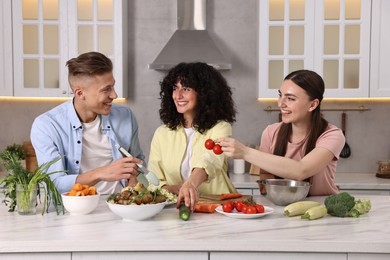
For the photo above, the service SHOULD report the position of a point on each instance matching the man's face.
(94, 95)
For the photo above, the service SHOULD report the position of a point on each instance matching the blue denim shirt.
(58, 132)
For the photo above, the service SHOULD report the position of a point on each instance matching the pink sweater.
(332, 139)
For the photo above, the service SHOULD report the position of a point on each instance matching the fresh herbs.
(16, 150)
(17, 174)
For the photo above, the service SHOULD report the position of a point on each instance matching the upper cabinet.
(380, 49)
(47, 33)
(331, 37)
(5, 48)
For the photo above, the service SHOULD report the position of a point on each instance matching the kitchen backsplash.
(367, 133)
(151, 23)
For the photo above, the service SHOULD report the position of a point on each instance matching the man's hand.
(124, 168)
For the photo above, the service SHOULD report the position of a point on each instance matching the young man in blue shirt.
(84, 131)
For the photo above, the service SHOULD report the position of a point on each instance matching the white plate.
(235, 214)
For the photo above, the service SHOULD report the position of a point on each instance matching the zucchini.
(184, 212)
(315, 212)
(299, 208)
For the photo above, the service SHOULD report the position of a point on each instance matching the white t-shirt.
(186, 164)
(97, 152)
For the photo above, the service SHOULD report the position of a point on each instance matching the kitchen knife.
(144, 176)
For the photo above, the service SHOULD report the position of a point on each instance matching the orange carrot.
(206, 208)
(226, 196)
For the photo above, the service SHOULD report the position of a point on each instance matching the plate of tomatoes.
(239, 209)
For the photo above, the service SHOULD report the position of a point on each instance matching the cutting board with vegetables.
(216, 199)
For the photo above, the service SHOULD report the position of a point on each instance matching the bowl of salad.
(137, 203)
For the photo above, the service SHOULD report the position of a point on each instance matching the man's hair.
(89, 64)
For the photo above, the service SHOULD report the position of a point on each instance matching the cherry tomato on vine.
(251, 209)
(209, 144)
(228, 206)
(239, 205)
(259, 208)
(217, 149)
(244, 208)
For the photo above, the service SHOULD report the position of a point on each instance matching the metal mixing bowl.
(282, 191)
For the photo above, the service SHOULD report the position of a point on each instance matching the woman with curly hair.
(304, 146)
(196, 105)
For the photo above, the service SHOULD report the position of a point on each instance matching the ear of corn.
(299, 208)
(315, 212)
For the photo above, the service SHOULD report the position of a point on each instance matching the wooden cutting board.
(214, 199)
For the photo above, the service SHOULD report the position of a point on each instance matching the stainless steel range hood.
(191, 42)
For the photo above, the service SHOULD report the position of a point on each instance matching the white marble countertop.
(103, 231)
(346, 181)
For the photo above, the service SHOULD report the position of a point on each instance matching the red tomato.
(244, 208)
(228, 207)
(250, 210)
(239, 205)
(259, 208)
(231, 202)
(209, 144)
(217, 149)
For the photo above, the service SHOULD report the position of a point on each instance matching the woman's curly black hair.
(214, 95)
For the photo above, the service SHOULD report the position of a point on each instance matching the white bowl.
(80, 205)
(136, 212)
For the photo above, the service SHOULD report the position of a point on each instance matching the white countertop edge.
(196, 245)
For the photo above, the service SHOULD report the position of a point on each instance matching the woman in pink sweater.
(304, 146)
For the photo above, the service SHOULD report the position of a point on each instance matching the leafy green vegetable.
(339, 204)
(17, 174)
(344, 205)
(362, 206)
(16, 150)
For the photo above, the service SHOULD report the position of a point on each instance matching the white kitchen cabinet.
(48, 33)
(380, 51)
(5, 49)
(327, 36)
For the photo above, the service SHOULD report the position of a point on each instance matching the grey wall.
(234, 25)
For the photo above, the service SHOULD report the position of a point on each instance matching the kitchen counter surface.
(345, 181)
(102, 231)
